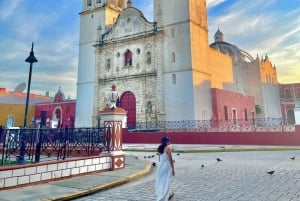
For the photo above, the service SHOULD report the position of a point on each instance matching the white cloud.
(9, 8)
(56, 45)
(255, 26)
(258, 27)
(212, 3)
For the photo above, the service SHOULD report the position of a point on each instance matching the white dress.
(163, 178)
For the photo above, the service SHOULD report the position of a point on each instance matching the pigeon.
(145, 156)
(293, 158)
(202, 166)
(154, 164)
(271, 172)
(178, 154)
(153, 156)
(219, 160)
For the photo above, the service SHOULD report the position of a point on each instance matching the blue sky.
(259, 27)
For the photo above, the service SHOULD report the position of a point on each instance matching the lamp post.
(30, 59)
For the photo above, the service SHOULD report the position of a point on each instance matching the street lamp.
(30, 59)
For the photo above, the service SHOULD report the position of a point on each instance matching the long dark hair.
(162, 146)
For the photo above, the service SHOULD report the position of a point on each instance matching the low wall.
(20, 175)
(227, 138)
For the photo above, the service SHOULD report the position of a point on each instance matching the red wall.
(221, 138)
(68, 111)
(232, 100)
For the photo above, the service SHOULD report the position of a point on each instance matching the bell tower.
(95, 18)
(185, 50)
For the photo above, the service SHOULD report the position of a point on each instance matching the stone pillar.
(111, 119)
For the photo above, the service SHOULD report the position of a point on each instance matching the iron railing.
(51, 144)
(55, 144)
(269, 124)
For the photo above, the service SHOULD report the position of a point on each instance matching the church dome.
(59, 96)
(230, 49)
(219, 36)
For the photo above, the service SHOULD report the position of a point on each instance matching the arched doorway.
(57, 117)
(128, 103)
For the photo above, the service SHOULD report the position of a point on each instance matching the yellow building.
(12, 107)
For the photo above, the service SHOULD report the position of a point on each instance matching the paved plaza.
(240, 176)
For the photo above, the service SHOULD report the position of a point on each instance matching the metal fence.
(253, 125)
(35, 145)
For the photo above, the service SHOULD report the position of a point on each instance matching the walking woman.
(165, 171)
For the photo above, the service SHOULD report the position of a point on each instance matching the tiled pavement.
(239, 176)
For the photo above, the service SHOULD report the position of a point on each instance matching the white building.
(164, 70)
(96, 17)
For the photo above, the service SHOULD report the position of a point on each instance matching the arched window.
(174, 78)
(149, 107)
(148, 57)
(173, 57)
(108, 64)
(128, 58)
(138, 51)
(10, 121)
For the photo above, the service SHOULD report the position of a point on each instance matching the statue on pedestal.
(113, 97)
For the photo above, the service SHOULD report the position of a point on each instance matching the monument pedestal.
(111, 119)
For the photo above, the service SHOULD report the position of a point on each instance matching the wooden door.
(128, 103)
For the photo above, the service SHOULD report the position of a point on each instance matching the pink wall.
(221, 138)
(67, 107)
(232, 100)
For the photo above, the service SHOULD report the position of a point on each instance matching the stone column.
(111, 120)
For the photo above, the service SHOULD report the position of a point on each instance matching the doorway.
(128, 103)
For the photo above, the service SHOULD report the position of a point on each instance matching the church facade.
(59, 112)
(166, 70)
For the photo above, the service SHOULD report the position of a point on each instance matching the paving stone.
(241, 176)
